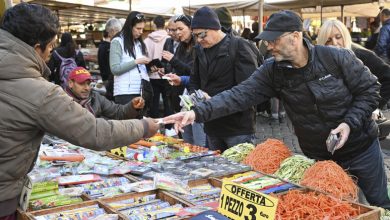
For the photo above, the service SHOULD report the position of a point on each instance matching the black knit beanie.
(205, 18)
(224, 16)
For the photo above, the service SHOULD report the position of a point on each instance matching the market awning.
(70, 13)
(250, 7)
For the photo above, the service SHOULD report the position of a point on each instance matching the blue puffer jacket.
(383, 44)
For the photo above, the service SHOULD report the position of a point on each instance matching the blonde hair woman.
(334, 33)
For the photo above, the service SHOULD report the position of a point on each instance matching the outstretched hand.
(174, 79)
(180, 120)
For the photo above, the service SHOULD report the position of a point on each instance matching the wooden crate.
(212, 181)
(31, 215)
(165, 196)
(366, 212)
(172, 199)
(21, 215)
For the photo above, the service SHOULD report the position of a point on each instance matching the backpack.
(67, 65)
(234, 47)
(265, 106)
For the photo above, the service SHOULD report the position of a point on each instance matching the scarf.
(85, 103)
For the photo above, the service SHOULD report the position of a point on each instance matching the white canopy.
(308, 8)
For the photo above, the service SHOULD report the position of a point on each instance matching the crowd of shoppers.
(325, 89)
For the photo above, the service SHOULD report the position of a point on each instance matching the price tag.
(238, 202)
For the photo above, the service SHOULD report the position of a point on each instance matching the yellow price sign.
(238, 202)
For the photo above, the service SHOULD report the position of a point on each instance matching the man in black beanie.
(218, 66)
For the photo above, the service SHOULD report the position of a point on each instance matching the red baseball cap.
(79, 75)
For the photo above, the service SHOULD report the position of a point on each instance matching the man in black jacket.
(324, 90)
(221, 62)
(113, 26)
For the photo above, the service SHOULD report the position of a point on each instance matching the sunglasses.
(183, 18)
(140, 16)
(202, 35)
(273, 42)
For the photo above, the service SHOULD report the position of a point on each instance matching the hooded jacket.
(30, 105)
(155, 44)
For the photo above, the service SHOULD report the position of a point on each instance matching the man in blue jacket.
(383, 43)
(324, 90)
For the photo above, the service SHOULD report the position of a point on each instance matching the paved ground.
(267, 128)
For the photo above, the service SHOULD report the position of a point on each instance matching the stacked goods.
(147, 207)
(46, 195)
(329, 177)
(201, 194)
(267, 156)
(239, 152)
(107, 187)
(261, 183)
(293, 168)
(296, 204)
(88, 212)
(198, 166)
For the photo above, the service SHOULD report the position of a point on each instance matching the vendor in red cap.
(79, 88)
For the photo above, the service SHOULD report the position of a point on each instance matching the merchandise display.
(88, 212)
(145, 207)
(297, 204)
(293, 168)
(110, 186)
(268, 156)
(201, 194)
(239, 152)
(177, 180)
(198, 166)
(261, 183)
(328, 176)
(48, 194)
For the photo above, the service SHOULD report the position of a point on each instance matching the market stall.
(162, 177)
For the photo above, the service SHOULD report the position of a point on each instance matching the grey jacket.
(30, 105)
(105, 108)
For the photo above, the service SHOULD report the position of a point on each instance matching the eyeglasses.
(140, 16)
(273, 42)
(183, 17)
(202, 35)
(171, 30)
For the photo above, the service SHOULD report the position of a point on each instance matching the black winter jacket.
(378, 67)
(184, 58)
(104, 60)
(382, 47)
(316, 101)
(222, 73)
